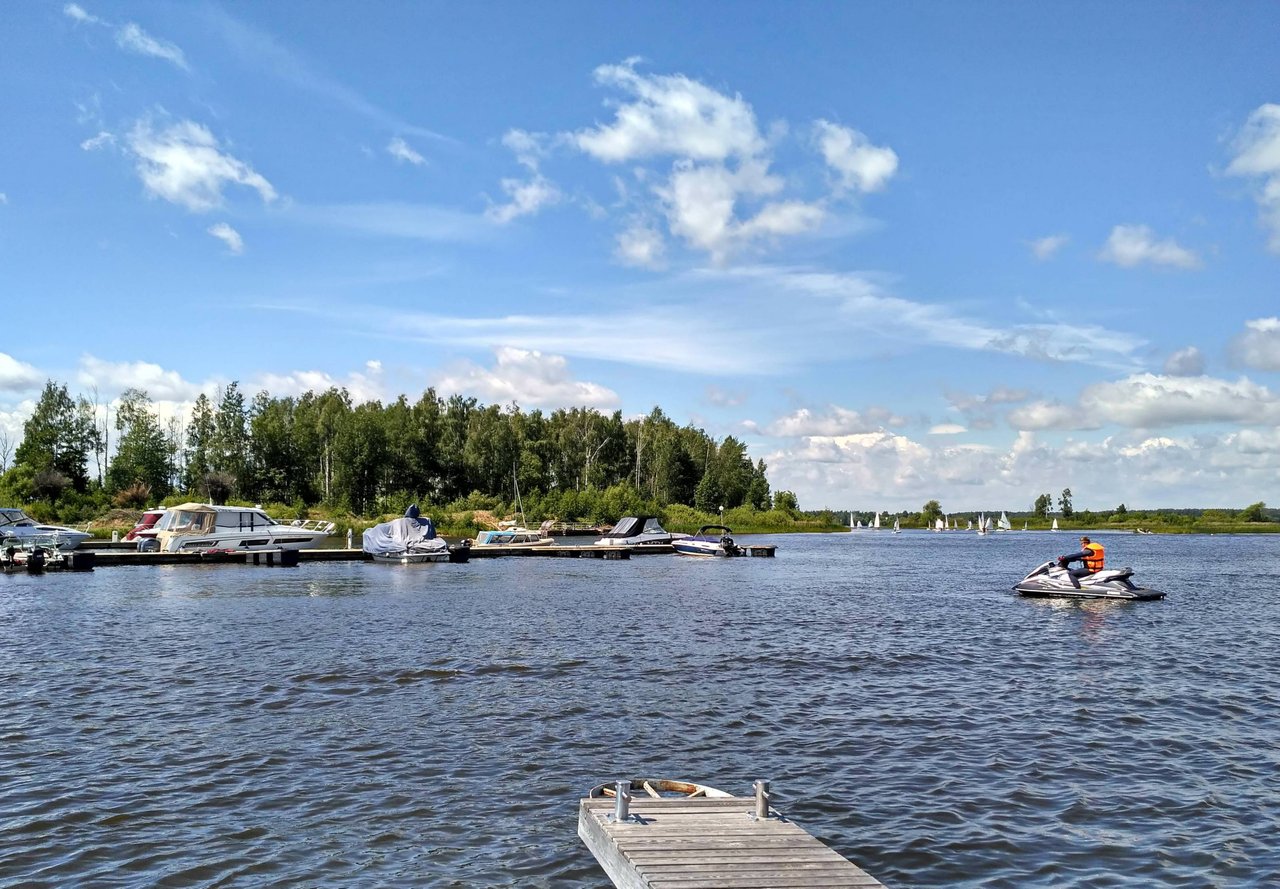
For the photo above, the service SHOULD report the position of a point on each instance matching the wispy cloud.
(131, 37)
(400, 150)
(1132, 245)
(229, 236)
(262, 50)
(400, 220)
(184, 164)
(77, 13)
(1046, 247)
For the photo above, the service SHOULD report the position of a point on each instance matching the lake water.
(345, 725)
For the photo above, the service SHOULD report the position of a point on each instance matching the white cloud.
(1259, 346)
(528, 378)
(1046, 247)
(527, 197)
(184, 165)
(363, 387)
(1150, 401)
(836, 421)
(77, 12)
(1258, 156)
(229, 236)
(18, 376)
(860, 165)
(98, 141)
(400, 150)
(1131, 245)
(1188, 362)
(132, 38)
(947, 429)
(641, 245)
(113, 377)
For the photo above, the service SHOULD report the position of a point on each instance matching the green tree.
(786, 501)
(1254, 512)
(1044, 503)
(1065, 503)
(230, 447)
(59, 436)
(1122, 510)
(931, 512)
(200, 435)
(143, 455)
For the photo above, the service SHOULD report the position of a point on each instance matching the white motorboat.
(637, 531)
(202, 526)
(16, 524)
(711, 540)
(511, 534)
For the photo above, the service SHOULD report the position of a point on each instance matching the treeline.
(76, 457)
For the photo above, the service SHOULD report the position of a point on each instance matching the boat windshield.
(14, 517)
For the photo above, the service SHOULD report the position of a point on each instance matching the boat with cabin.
(512, 534)
(19, 528)
(638, 531)
(711, 540)
(204, 526)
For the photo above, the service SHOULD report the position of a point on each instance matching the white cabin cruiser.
(202, 526)
(637, 531)
(16, 524)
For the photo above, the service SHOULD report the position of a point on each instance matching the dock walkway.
(697, 842)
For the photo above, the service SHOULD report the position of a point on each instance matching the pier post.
(622, 801)
(762, 799)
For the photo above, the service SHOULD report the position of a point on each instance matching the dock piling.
(762, 799)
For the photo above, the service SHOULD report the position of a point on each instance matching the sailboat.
(896, 529)
(939, 524)
(1055, 525)
(1004, 524)
(513, 533)
(1024, 526)
(968, 524)
(982, 523)
(877, 522)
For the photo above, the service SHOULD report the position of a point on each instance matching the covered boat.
(406, 541)
(203, 526)
(19, 528)
(636, 531)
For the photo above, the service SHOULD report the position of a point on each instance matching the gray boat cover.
(404, 536)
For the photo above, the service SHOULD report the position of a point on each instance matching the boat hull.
(1052, 591)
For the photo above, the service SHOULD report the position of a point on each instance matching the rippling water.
(366, 725)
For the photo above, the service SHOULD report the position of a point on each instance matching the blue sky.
(965, 252)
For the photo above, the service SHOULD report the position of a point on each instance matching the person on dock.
(1091, 555)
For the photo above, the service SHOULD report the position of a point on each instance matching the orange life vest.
(1094, 562)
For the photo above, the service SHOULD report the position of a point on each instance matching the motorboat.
(1054, 579)
(407, 540)
(18, 526)
(711, 540)
(146, 527)
(203, 526)
(511, 534)
(637, 531)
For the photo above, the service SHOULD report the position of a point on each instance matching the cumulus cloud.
(18, 376)
(400, 150)
(1151, 401)
(1188, 362)
(528, 378)
(185, 165)
(526, 197)
(113, 377)
(363, 386)
(860, 165)
(1044, 248)
(835, 421)
(1257, 156)
(131, 37)
(1259, 346)
(229, 236)
(1132, 245)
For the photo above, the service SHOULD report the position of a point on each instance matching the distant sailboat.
(851, 524)
(982, 523)
(1024, 526)
(1004, 522)
(939, 524)
(877, 523)
(968, 524)
(896, 529)
(1055, 525)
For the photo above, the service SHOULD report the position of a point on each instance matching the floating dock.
(694, 841)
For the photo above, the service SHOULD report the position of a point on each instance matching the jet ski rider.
(1091, 554)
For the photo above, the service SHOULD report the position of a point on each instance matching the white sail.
(1024, 526)
(939, 524)
(1055, 525)
(982, 523)
(968, 524)
(1004, 522)
(877, 523)
(896, 529)
(851, 524)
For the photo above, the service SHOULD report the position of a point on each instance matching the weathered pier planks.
(701, 842)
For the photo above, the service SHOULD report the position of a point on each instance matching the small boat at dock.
(408, 540)
(711, 540)
(637, 531)
(18, 527)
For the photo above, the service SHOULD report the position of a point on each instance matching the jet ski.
(1052, 579)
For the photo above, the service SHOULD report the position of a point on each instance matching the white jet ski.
(1052, 579)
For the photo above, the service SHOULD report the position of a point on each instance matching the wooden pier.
(652, 841)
